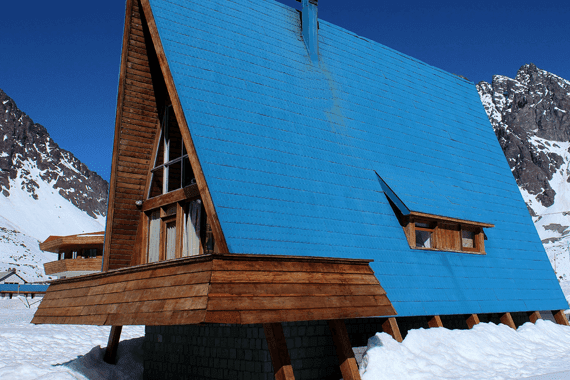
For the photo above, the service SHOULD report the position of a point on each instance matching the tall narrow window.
(154, 236)
(172, 168)
(192, 221)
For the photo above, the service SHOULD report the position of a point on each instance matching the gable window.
(176, 224)
(172, 168)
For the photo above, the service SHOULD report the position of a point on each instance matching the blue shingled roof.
(290, 150)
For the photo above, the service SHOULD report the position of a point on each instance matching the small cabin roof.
(60, 243)
(291, 150)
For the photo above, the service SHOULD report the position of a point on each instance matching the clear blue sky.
(59, 60)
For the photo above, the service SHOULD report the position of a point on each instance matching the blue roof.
(290, 150)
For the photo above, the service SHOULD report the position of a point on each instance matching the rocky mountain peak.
(29, 156)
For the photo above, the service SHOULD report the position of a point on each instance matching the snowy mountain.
(531, 118)
(44, 190)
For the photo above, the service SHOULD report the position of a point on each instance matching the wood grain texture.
(534, 316)
(560, 317)
(79, 264)
(507, 319)
(140, 86)
(390, 326)
(218, 288)
(278, 350)
(472, 320)
(348, 365)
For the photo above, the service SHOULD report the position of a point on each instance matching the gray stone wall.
(219, 351)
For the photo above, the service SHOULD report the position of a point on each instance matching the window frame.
(441, 225)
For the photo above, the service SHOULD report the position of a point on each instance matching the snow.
(487, 351)
(50, 214)
(50, 352)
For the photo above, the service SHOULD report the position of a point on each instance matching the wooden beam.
(533, 316)
(179, 195)
(454, 220)
(472, 320)
(391, 327)
(507, 319)
(435, 321)
(219, 237)
(560, 317)
(348, 365)
(278, 350)
(113, 345)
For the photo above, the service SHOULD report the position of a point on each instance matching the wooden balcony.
(228, 288)
(58, 268)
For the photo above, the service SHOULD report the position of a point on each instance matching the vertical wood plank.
(278, 351)
(435, 321)
(113, 344)
(391, 327)
(534, 316)
(472, 320)
(507, 319)
(348, 365)
(560, 317)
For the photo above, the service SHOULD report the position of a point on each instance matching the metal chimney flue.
(310, 28)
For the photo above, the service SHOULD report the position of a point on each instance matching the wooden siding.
(57, 244)
(141, 88)
(240, 289)
(69, 265)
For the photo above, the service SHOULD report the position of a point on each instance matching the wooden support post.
(507, 319)
(533, 316)
(348, 365)
(113, 344)
(435, 321)
(391, 327)
(278, 350)
(560, 317)
(472, 320)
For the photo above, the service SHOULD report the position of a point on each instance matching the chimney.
(309, 25)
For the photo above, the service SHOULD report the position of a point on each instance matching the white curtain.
(170, 240)
(191, 245)
(154, 237)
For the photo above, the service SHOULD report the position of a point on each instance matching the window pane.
(160, 152)
(187, 173)
(170, 240)
(154, 237)
(156, 183)
(174, 176)
(468, 239)
(192, 229)
(423, 225)
(423, 239)
(171, 210)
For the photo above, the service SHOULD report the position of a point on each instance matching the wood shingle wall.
(135, 132)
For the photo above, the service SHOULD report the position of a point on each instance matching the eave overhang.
(229, 288)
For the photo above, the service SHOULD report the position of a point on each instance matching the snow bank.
(488, 351)
(30, 352)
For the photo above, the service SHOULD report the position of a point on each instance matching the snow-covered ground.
(488, 351)
(60, 352)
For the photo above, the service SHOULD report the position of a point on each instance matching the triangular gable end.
(144, 85)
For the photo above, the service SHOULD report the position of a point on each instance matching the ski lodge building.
(282, 189)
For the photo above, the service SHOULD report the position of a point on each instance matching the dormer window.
(432, 232)
(435, 232)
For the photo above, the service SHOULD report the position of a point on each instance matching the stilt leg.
(113, 345)
(348, 365)
(534, 316)
(278, 350)
(391, 327)
(507, 319)
(472, 320)
(435, 321)
(560, 317)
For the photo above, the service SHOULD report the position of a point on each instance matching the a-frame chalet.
(280, 184)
